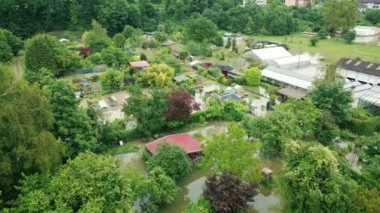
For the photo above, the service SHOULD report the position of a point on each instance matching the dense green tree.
(72, 126)
(167, 58)
(230, 153)
(311, 180)
(274, 130)
(159, 75)
(114, 56)
(228, 194)
(339, 14)
(200, 29)
(159, 187)
(87, 183)
(45, 51)
(113, 15)
(373, 16)
(331, 96)
(201, 206)
(326, 129)
(148, 110)
(111, 80)
(172, 159)
(119, 40)
(278, 21)
(10, 45)
(26, 143)
(253, 76)
(97, 38)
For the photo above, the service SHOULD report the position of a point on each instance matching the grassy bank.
(332, 49)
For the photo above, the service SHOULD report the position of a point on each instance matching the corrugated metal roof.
(360, 66)
(288, 77)
(271, 53)
(183, 140)
(372, 96)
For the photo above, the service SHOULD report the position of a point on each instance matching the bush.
(349, 36)
(95, 58)
(314, 41)
(201, 49)
(322, 34)
(219, 56)
(153, 43)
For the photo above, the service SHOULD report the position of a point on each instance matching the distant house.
(184, 140)
(362, 71)
(369, 4)
(139, 65)
(229, 96)
(264, 56)
(299, 3)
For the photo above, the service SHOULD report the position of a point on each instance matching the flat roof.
(288, 77)
(292, 93)
(183, 140)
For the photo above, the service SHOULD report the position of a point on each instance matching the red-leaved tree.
(228, 194)
(180, 105)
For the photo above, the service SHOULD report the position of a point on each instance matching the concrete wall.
(358, 76)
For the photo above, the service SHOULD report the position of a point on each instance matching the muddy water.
(191, 187)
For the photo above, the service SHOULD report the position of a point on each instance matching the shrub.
(349, 36)
(314, 41)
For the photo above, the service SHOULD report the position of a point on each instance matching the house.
(139, 65)
(288, 92)
(369, 4)
(229, 96)
(184, 140)
(289, 62)
(299, 3)
(361, 71)
(267, 54)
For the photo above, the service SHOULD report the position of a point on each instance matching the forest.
(60, 151)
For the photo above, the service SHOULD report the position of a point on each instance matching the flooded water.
(191, 187)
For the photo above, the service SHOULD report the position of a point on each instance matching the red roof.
(184, 140)
(139, 64)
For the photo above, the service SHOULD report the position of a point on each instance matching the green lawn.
(128, 148)
(332, 49)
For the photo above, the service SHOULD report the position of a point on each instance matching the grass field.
(332, 49)
(128, 148)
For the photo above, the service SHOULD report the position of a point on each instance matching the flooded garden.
(191, 187)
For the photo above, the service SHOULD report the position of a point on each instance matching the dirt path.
(18, 67)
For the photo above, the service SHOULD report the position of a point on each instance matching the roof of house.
(183, 140)
(139, 64)
(292, 93)
(271, 53)
(360, 66)
(289, 77)
(229, 96)
(224, 67)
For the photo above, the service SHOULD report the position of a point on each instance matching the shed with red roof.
(184, 140)
(139, 65)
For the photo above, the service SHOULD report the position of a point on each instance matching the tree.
(230, 153)
(201, 206)
(274, 130)
(349, 36)
(72, 126)
(373, 16)
(326, 130)
(180, 105)
(200, 29)
(228, 45)
(119, 40)
(26, 143)
(157, 186)
(114, 56)
(339, 14)
(87, 183)
(159, 75)
(44, 51)
(314, 41)
(253, 76)
(228, 194)
(311, 179)
(97, 38)
(111, 80)
(9, 44)
(278, 21)
(172, 159)
(113, 15)
(331, 96)
(147, 110)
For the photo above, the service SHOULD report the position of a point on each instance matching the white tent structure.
(286, 78)
(267, 54)
(292, 61)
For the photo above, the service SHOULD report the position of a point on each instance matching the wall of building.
(358, 76)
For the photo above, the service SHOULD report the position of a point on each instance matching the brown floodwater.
(191, 187)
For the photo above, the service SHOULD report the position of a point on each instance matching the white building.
(265, 55)
(371, 100)
(289, 62)
(367, 34)
(369, 4)
(361, 71)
